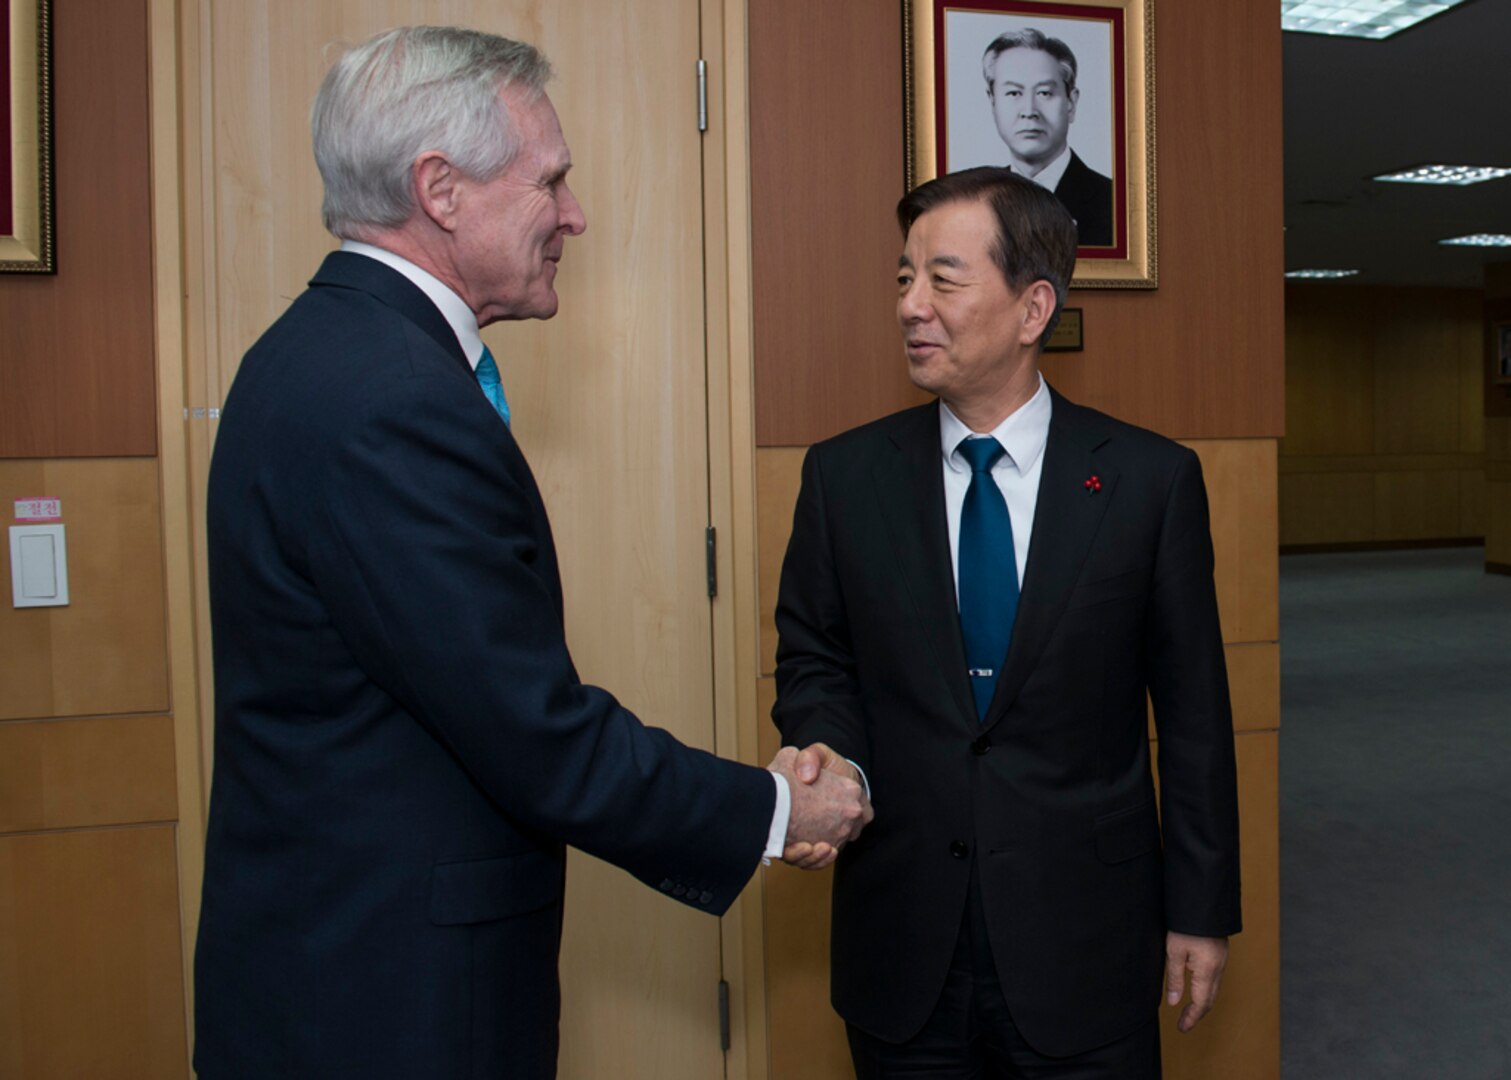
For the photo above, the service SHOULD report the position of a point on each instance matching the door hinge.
(711, 546)
(724, 1015)
(702, 94)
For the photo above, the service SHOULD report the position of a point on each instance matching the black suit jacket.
(1087, 194)
(402, 746)
(1051, 796)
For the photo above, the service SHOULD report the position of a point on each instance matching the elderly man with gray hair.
(402, 746)
(1031, 84)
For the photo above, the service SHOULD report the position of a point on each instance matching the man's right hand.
(829, 806)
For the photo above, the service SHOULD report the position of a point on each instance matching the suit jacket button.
(981, 745)
(960, 849)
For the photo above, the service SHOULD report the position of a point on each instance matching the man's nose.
(572, 217)
(912, 305)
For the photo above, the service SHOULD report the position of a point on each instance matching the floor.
(1395, 816)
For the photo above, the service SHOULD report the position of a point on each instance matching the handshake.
(829, 806)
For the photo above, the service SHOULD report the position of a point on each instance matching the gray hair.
(406, 91)
(1029, 38)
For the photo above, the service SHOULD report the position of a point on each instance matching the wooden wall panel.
(1497, 308)
(106, 652)
(1498, 493)
(826, 171)
(1241, 493)
(1384, 401)
(826, 154)
(63, 774)
(90, 975)
(76, 362)
(1240, 1038)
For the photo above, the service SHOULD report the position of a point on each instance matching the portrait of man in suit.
(403, 748)
(980, 599)
(1031, 83)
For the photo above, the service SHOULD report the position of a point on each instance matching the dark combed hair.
(1036, 236)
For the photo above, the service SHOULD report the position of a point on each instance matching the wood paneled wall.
(1385, 438)
(76, 348)
(1201, 359)
(1497, 426)
(91, 963)
(1194, 359)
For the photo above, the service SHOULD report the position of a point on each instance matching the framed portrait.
(1059, 90)
(26, 210)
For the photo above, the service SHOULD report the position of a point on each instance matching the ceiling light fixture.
(1457, 175)
(1370, 19)
(1480, 240)
(1320, 273)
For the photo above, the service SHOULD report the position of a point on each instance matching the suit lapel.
(909, 484)
(1066, 519)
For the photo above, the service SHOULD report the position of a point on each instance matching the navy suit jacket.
(402, 746)
(1050, 796)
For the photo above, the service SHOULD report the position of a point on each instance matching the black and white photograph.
(1059, 92)
(1035, 95)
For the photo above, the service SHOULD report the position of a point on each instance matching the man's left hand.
(1204, 958)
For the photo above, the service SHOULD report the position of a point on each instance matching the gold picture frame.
(26, 189)
(955, 120)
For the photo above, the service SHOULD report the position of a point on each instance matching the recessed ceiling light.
(1371, 19)
(1320, 273)
(1458, 175)
(1481, 240)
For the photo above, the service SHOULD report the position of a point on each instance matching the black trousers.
(971, 1034)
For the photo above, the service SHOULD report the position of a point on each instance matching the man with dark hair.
(1031, 83)
(979, 597)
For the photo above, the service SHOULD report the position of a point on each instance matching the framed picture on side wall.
(1060, 91)
(26, 210)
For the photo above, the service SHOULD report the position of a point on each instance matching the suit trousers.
(971, 1034)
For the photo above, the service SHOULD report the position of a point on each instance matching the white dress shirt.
(464, 324)
(1049, 176)
(1022, 435)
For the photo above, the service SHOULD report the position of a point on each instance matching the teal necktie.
(493, 386)
(988, 572)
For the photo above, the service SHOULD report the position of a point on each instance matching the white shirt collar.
(1023, 434)
(1049, 176)
(452, 307)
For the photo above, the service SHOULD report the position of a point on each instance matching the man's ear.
(437, 189)
(1038, 307)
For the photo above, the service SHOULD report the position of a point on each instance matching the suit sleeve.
(1189, 688)
(818, 695)
(426, 552)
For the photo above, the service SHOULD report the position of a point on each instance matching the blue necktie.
(988, 572)
(493, 386)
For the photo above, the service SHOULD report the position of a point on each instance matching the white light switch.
(38, 566)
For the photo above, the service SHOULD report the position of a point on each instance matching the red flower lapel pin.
(1093, 484)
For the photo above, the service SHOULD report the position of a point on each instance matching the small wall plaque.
(1067, 335)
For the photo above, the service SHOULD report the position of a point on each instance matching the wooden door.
(609, 401)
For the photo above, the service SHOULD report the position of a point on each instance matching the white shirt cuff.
(776, 839)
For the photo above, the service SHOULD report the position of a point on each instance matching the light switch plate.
(38, 566)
